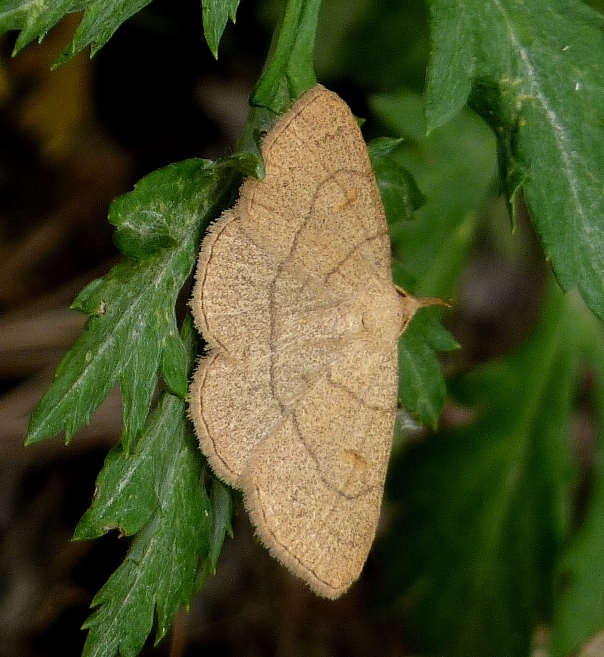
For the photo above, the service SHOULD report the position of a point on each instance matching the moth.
(295, 400)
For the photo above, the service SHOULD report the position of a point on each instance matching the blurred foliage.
(351, 37)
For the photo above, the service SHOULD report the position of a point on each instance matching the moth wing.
(314, 487)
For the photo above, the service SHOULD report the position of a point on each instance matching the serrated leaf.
(222, 511)
(160, 486)
(159, 492)
(101, 19)
(536, 73)
(129, 485)
(35, 18)
(487, 504)
(132, 329)
(215, 16)
(421, 386)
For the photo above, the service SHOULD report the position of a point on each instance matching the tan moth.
(295, 401)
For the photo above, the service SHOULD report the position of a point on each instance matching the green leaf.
(129, 486)
(399, 192)
(222, 506)
(100, 20)
(159, 488)
(174, 363)
(421, 386)
(34, 19)
(535, 72)
(132, 331)
(421, 389)
(222, 511)
(158, 493)
(455, 168)
(486, 505)
(430, 250)
(579, 608)
(215, 16)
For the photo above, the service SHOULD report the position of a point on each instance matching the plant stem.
(289, 70)
(288, 73)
